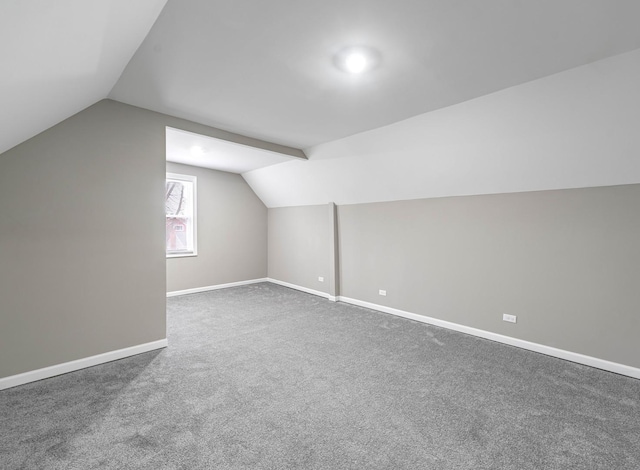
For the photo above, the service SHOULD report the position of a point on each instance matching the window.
(180, 210)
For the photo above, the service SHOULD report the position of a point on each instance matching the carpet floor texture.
(265, 377)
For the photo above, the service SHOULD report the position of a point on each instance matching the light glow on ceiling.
(357, 60)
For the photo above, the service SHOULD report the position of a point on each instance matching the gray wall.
(81, 239)
(232, 233)
(567, 263)
(82, 255)
(300, 246)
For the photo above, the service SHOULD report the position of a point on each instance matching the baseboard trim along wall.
(59, 369)
(519, 343)
(216, 287)
(303, 289)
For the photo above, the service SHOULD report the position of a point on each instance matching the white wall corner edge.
(197, 290)
(66, 367)
(603, 364)
(303, 289)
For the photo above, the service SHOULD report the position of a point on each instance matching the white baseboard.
(52, 371)
(216, 287)
(539, 348)
(303, 289)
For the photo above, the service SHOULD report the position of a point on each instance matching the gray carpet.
(264, 377)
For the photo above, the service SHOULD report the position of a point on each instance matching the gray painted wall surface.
(81, 239)
(82, 253)
(334, 255)
(299, 246)
(232, 233)
(566, 262)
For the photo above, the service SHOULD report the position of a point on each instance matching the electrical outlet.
(320, 278)
(509, 318)
(382, 292)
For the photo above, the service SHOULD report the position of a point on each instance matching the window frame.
(194, 181)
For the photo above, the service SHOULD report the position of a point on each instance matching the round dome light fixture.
(356, 60)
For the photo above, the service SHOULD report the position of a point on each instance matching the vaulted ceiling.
(59, 57)
(267, 70)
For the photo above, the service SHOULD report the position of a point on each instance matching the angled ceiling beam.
(236, 138)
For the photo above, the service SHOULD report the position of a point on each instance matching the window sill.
(181, 255)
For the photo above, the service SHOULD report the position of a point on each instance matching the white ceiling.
(265, 69)
(217, 154)
(469, 96)
(58, 57)
(575, 129)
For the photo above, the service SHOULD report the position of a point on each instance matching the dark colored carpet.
(264, 377)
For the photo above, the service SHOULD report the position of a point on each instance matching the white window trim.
(190, 179)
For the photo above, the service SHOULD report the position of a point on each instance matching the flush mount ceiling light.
(357, 60)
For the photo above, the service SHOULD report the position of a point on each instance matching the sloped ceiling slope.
(58, 57)
(578, 128)
(265, 68)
